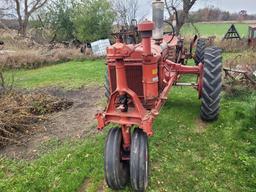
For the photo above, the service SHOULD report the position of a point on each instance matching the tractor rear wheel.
(116, 170)
(139, 161)
(107, 85)
(200, 49)
(212, 84)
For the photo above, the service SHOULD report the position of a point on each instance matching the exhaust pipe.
(158, 19)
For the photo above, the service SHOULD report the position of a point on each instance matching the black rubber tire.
(107, 85)
(212, 84)
(200, 49)
(139, 161)
(116, 170)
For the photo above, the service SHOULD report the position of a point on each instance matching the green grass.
(220, 157)
(68, 75)
(219, 30)
(185, 154)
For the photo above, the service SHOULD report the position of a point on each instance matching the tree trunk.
(23, 27)
(29, 8)
(182, 14)
(22, 31)
(181, 22)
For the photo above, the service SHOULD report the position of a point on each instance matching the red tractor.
(138, 80)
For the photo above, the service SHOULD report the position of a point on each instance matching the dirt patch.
(84, 186)
(76, 122)
(103, 187)
(200, 126)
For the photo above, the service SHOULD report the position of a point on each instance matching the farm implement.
(138, 80)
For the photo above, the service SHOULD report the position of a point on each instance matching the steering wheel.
(172, 32)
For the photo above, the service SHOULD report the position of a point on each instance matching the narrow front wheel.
(139, 161)
(116, 169)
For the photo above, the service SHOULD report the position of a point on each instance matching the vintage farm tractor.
(139, 78)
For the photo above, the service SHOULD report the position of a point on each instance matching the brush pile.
(22, 113)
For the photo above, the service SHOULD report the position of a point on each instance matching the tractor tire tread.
(200, 48)
(116, 172)
(212, 84)
(139, 161)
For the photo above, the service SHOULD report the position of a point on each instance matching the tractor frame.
(169, 74)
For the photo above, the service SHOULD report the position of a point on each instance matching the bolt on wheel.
(139, 160)
(116, 170)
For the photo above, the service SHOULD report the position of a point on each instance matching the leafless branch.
(181, 10)
(126, 10)
(24, 9)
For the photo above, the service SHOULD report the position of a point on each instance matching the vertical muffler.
(158, 19)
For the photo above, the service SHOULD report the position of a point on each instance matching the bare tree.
(181, 10)
(5, 8)
(24, 9)
(126, 10)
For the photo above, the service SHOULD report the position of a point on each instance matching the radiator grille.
(134, 78)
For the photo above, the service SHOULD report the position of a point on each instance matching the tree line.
(84, 20)
(90, 20)
(216, 14)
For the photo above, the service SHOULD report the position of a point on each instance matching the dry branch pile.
(22, 113)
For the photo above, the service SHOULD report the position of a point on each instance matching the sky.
(227, 5)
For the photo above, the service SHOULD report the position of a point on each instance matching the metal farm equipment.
(252, 36)
(138, 80)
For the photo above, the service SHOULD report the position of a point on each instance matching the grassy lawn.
(185, 154)
(218, 29)
(69, 75)
(74, 74)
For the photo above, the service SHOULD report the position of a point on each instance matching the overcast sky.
(229, 5)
